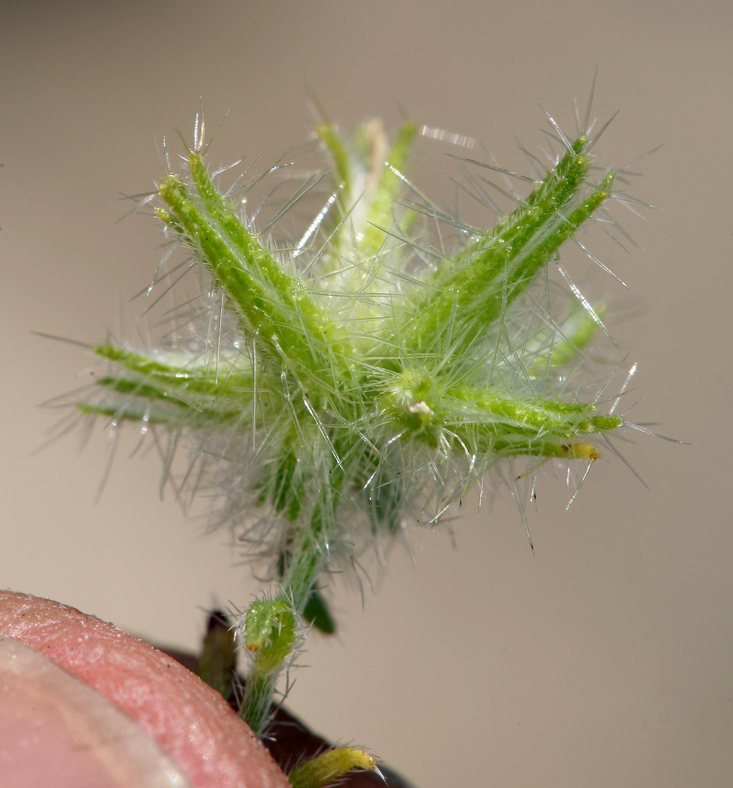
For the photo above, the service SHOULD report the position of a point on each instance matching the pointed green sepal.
(471, 293)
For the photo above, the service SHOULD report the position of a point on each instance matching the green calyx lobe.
(272, 304)
(486, 418)
(474, 292)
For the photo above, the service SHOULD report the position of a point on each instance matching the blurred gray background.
(604, 660)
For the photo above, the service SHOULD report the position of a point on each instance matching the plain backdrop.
(604, 659)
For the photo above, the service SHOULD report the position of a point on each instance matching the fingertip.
(188, 719)
(56, 730)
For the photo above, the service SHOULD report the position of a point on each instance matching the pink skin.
(189, 720)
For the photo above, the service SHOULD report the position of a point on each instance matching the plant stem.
(305, 562)
(258, 692)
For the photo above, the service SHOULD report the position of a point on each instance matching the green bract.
(371, 369)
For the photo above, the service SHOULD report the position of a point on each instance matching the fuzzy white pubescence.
(336, 382)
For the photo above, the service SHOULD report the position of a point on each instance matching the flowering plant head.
(336, 383)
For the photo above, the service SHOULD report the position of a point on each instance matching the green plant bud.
(269, 633)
